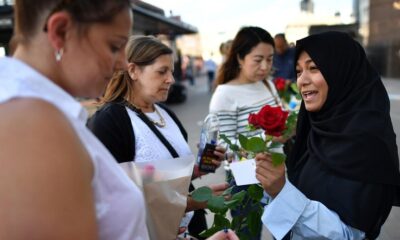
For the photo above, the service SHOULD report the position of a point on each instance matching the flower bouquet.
(275, 122)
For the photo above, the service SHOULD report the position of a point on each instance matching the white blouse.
(120, 207)
(147, 144)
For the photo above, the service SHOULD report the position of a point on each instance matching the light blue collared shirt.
(307, 219)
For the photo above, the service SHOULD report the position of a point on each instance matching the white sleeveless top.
(120, 207)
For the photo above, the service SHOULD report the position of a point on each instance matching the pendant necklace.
(160, 123)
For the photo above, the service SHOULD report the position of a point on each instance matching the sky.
(225, 17)
(219, 20)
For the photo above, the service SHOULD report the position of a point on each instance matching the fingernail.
(225, 230)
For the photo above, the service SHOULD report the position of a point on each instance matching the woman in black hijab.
(343, 173)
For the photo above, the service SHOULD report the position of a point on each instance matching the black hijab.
(347, 151)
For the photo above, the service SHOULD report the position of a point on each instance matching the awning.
(149, 22)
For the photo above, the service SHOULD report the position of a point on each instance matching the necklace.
(161, 123)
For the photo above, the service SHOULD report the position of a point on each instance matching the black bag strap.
(147, 121)
(266, 83)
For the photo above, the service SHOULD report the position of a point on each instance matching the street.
(194, 110)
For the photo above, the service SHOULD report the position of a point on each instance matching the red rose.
(280, 84)
(271, 119)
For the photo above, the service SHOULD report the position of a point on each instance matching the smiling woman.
(311, 83)
(343, 172)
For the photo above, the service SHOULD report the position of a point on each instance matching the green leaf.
(234, 147)
(239, 196)
(243, 236)
(277, 158)
(254, 223)
(251, 127)
(243, 141)
(294, 88)
(255, 144)
(232, 204)
(225, 139)
(275, 145)
(290, 124)
(287, 97)
(202, 194)
(235, 223)
(256, 192)
(209, 232)
(217, 204)
(227, 191)
(221, 222)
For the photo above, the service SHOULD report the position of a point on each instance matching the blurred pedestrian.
(189, 73)
(283, 64)
(211, 68)
(343, 173)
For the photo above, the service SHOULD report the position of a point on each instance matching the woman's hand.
(219, 154)
(271, 177)
(224, 235)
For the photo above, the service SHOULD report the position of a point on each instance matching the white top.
(234, 103)
(147, 144)
(120, 208)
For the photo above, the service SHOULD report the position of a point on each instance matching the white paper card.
(244, 172)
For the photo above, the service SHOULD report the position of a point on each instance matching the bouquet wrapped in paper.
(165, 185)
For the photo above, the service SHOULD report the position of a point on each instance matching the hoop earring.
(59, 54)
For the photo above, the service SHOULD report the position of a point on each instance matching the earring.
(59, 54)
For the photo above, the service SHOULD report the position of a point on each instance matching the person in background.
(131, 108)
(211, 68)
(283, 64)
(244, 86)
(243, 83)
(189, 70)
(343, 173)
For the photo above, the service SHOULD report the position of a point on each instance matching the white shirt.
(307, 219)
(120, 208)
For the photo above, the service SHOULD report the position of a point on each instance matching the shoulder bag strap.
(266, 83)
(146, 120)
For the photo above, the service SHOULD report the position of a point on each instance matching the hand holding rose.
(271, 177)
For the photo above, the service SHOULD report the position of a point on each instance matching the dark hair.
(30, 14)
(280, 35)
(245, 40)
(142, 51)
